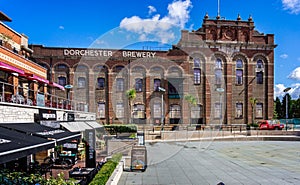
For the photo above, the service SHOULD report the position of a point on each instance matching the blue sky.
(97, 23)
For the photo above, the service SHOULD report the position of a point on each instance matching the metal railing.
(29, 97)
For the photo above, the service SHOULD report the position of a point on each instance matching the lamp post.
(286, 106)
(162, 103)
(220, 90)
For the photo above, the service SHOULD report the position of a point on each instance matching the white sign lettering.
(139, 54)
(108, 53)
(47, 116)
(89, 53)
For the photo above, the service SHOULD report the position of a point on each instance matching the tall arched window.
(62, 80)
(81, 82)
(259, 71)
(239, 72)
(218, 71)
(197, 71)
(139, 85)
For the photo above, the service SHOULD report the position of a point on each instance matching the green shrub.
(114, 129)
(107, 169)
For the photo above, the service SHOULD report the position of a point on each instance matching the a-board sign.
(138, 158)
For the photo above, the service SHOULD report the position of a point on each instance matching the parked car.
(270, 125)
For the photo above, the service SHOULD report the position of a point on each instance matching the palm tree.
(192, 102)
(131, 95)
(253, 102)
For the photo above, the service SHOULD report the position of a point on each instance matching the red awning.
(10, 68)
(53, 84)
(37, 78)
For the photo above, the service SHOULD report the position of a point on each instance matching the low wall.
(116, 175)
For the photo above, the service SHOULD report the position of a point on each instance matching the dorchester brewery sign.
(108, 53)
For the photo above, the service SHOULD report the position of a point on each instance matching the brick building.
(220, 67)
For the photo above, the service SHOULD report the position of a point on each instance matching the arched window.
(100, 83)
(120, 110)
(157, 84)
(218, 64)
(101, 109)
(218, 71)
(120, 85)
(196, 63)
(259, 71)
(81, 83)
(239, 110)
(239, 72)
(62, 80)
(197, 76)
(139, 85)
(259, 64)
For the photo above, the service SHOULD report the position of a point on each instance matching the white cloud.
(61, 27)
(295, 74)
(152, 9)
(292, 5)
(284, 56)
(294, 91)
(159, 27)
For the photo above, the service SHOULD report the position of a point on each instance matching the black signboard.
(47, 114)
(138, 158)
(90, 157)
(71, 117)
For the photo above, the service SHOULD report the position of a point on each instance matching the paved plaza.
(212, 162)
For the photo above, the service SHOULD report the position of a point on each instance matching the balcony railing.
(26, 96)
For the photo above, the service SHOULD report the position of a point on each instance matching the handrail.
(25, 96)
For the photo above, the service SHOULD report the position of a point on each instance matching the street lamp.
(162, 103)
(286, 106)
(220, 90)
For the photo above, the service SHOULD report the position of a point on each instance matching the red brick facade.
(222, 54)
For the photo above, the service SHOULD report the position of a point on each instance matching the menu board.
(139, 158)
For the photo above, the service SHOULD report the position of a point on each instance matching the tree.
(192, 101)
(131, 95)
(253, 102)
(278, 109)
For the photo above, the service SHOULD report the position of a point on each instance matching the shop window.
(100, 83)
(239, 110)
(81, 83)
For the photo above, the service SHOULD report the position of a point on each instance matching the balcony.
(29, 97)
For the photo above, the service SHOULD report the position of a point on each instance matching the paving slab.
(230, 162)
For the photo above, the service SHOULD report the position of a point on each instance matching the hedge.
(107, 169)
(114, 129)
